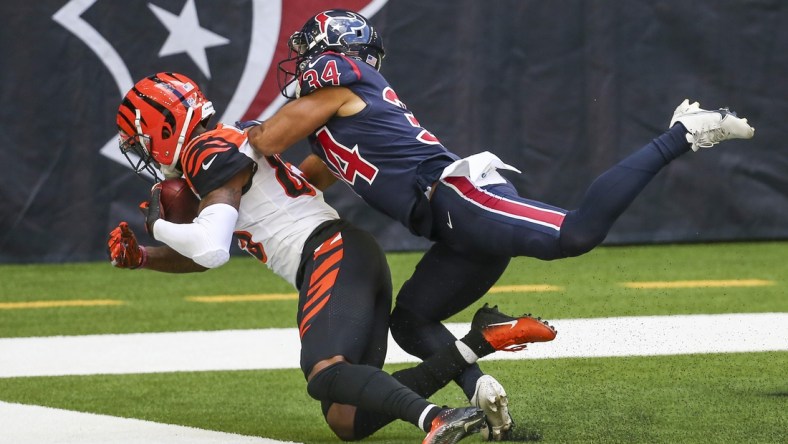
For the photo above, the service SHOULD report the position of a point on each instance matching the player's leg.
(485, 337)
(345, 282)
(347, 420)
(493, 219)
(344, 300)
(444, 283)
(339, 296)
(613, 191)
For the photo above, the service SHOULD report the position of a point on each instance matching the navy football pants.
(477, 230)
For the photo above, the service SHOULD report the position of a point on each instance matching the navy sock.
(614, 190)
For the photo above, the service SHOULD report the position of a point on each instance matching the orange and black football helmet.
(156, 117)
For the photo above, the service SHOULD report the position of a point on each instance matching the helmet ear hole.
(165, 133)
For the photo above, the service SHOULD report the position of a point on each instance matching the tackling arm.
(302, 117)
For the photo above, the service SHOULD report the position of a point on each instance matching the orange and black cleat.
(509, 333)
(452, 425)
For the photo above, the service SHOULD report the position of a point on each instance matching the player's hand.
(152, 209)
(244, 124)
(124, 251)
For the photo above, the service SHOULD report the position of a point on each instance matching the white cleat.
(491, 398)
(708, 128)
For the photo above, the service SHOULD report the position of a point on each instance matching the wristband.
(144, 260)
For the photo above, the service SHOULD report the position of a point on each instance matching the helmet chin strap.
(297, 88)
(317, 39)
(171, 171)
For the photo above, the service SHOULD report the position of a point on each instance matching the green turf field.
(695, 398)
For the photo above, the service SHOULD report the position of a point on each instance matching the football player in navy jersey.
(363, 134)
(340, 271)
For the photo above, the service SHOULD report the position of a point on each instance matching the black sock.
(369, 388)
(425, 379)
(367, 422)
(476, 342)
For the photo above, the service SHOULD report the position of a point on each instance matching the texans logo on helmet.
(230, 48)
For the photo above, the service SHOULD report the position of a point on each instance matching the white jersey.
(281, 223)
(279, 210)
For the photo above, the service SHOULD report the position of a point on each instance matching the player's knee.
(579, 234)
(343, 433)
(576, 245)
(403, 323)
(340, 419)
(320, 382)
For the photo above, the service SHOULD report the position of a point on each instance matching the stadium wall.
(560, 89)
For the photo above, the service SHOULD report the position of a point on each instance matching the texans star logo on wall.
(230, 48)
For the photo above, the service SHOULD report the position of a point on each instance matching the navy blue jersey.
(382, 152)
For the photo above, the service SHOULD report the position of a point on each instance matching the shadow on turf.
(523, 434)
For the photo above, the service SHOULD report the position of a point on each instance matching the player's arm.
(316, 172)
(125, 252)
(167, 260)
(301, 117)
(207, 240)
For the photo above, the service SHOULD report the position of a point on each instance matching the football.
(179, 205)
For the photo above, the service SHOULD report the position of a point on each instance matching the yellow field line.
(245, 297)
(524, 288)
(294, 296)
(507, 289)
(699, 284)
(53, 304)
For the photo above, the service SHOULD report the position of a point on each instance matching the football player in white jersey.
(281, 219)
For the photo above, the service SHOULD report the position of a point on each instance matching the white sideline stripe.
(279, 348)
(30, 424)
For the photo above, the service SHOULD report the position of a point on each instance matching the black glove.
(152, 209)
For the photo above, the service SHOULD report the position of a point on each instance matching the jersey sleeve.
(211, 159)
(330, 69)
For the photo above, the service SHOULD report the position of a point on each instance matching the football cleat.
(491, 398)
(508, 333)
(708, 128)
(452, 425)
